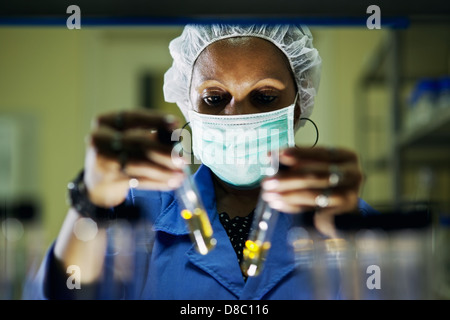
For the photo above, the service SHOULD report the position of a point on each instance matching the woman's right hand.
(125, 145)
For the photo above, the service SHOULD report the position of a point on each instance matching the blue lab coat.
(173, 269)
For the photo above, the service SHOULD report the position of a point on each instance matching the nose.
(239, 107)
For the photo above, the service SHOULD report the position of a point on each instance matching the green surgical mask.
(236, 147)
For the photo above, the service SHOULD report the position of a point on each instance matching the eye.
(214, 98)
(265, 97)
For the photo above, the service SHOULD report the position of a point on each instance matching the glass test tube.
(259, 241)
(195, 215)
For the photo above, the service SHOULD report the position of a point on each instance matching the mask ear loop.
(315, 127)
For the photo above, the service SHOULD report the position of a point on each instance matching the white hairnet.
(294, 41)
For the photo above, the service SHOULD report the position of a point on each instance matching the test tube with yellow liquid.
(197, 220)
(259, 241)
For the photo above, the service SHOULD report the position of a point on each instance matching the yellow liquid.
(200, 228)
(254, 255)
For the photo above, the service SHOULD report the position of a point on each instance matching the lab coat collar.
(221, 263)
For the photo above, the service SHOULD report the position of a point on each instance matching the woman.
(222, 76)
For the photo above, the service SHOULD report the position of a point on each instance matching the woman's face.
(241, 76)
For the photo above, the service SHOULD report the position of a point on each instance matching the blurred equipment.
(20, 246)
(387, 256)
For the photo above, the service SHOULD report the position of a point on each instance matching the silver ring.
(335, 175)
(134, 183)
(322, 200)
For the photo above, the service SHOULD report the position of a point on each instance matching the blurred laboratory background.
(384, 93)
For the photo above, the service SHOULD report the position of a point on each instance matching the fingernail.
(287, 152)
(270, 184)
(178, 162)
(276, 204)
(270, 196)
(176, 181)
(170, 119)
(173, 183)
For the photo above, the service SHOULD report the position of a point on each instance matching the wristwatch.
(78, 199)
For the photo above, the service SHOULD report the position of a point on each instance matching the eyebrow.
(272, 82)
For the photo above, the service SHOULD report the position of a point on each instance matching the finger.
(109, 194)
(152, 172)
(138, 140)
(105, 164)
(115, 178)
(304, 166)
(315, 177)
(345, 199)
(135, 144)
(300, 198)
(287, 208)
(324, 222)
(147, 184)
(124, 120)
(288, 183)
(317, 154)
(165, 160)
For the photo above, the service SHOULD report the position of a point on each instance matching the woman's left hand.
(322, 179)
